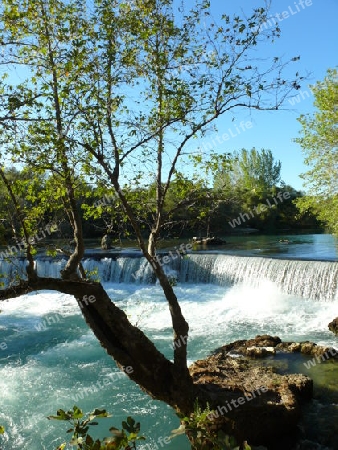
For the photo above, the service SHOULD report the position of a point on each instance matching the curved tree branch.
(126, 343)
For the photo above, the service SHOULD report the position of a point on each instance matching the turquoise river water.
(49, 359)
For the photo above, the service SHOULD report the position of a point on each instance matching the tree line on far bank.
(247, 193)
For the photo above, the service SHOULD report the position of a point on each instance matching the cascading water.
(317, 280)
(49, 359)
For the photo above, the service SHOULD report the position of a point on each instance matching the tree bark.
(70, 271)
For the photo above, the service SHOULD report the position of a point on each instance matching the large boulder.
(253, 396)
(333, 326)
(250, 400)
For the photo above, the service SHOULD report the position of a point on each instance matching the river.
(49, 359)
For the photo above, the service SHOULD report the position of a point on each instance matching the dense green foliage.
(191, 207)
(252, 191)
(319, 142)
(203, 434)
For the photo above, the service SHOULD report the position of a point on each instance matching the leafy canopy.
(116, 92)
(319, 142)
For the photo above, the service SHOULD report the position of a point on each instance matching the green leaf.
(98, 412)
(77, 412)
(130, 421)
(61, 415)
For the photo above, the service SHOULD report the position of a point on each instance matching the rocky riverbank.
(252, 396)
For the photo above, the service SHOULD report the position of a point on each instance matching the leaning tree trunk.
(127, 344)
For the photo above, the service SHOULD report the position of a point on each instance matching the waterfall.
(317, 280)
(11, 269)
(123, 269)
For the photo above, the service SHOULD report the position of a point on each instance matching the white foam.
(52, 367)
(40, 304)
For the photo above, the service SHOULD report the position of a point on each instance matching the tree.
(7, 211)
(251, 171)
(253, 178)
(115, 95)
(319, 142)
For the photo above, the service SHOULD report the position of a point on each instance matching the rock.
(106, 242)
(333, 326)
(310, 349)
(264, 345)
(295, 347)
(259, 352)
(307, 348)
(251, 401)
(256, 400)
(252, 347)
(301, 387)
(208, 241)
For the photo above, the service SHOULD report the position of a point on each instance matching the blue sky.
(311, 32)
